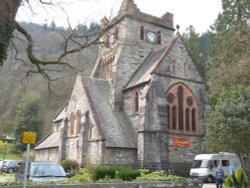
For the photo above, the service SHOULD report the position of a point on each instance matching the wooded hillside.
(16, 84)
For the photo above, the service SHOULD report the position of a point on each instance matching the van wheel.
(10, 171)
(209, 179)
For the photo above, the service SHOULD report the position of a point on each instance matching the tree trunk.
(8, 10)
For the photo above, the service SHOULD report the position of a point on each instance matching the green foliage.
(229, 181)
(198, 48)
(127, 174)
(106, 173)
(11, 156)
(5, 123)
(2, 146)
(230, 36)
(8, 147)
(7, 32)
(228, 124)
(9, 151)
(159, 176)
(70, 166)
(83, 175)
(241, 178)
(231, 31)
(28, 118)
(102, 172)
(117, 174)
(144, 172)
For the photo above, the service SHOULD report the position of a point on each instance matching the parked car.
(41, 172)
(10, 166)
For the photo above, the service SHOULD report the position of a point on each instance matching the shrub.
(144, 172)
(117, 174)
(70, 166)
(84, 175)
(159, 176)
(229, 181)
(102, 172)
(241, 178)
(128, 174)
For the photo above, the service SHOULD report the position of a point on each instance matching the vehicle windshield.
(47, 170)
(201, 163)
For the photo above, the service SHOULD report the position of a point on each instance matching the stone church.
(143, 106)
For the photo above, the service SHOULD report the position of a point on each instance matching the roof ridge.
(168, 48)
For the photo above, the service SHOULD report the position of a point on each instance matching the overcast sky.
(199, 13)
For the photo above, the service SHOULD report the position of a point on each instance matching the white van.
(204, 165)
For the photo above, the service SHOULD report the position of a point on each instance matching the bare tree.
(73, 41)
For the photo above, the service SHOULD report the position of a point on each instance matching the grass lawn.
(11, 156)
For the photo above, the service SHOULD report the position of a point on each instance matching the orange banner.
(181, 143)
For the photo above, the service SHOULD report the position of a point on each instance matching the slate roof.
(61, 113)
(51, 141)
(143, 73)
(114, 125)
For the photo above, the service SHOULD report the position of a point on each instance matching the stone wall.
(158, 184)
(120, 156)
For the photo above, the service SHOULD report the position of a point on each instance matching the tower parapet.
(130, 9)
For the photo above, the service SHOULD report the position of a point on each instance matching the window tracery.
(106, 67)
(182, 109)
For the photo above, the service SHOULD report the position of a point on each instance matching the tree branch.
(34, 60)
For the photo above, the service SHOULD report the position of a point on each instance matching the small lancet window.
(136, 101)
(135, 98)
(158, 37)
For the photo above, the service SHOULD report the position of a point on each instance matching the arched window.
(78, 122)
(106, 67)
(182, 109)
(158, 37)
(72, 124)
(135, 101)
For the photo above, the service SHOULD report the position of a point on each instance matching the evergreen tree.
(194, 45)
(228, 125)
(28, 118)
(230, 38)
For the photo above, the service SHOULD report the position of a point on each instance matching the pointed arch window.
(159, 37)
(182, 109)
(106, 67)
(72, 124)
(135, 101)
(78, 122)
(142, 32)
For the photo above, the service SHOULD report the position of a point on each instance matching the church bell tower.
(126, 42)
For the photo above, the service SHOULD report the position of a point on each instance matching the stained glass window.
(182, 109)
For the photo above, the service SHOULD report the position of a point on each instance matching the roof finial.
(177, 27)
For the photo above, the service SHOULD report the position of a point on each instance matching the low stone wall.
(155, 184)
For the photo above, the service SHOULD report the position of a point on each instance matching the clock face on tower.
(151, 36)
